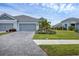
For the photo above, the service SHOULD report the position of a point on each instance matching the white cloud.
(70, 7)
(60, 7)
(56, 7)
(50, 5)
(34, 4)
(66, 8)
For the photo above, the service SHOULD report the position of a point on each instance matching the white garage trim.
(37, 26)
(8, 21)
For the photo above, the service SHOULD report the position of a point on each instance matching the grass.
(2, 33)
(61, 50)
(61, 34)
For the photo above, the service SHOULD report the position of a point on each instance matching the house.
(20, 23)
(69, 22)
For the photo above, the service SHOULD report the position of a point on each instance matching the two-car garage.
(27, 23)
(27, 27)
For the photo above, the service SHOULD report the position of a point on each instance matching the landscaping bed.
(61, 50)
(60, 34)
(2, 33)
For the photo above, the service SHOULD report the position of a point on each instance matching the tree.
(44, 24)
(45, 27)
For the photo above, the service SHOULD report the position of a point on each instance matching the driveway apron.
(19, 44)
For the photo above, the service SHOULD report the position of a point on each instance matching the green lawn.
(59, 35)
(61, 50)
(2, 33)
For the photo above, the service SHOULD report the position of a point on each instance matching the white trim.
(8, 21)
(37, 26)
(27, 22)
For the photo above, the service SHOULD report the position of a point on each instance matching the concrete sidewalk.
(49, 42)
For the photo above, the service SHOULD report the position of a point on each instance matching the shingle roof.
(71, 19)
(24, 18)
(67, 20)
(58, 25)
(5, 16)
(20, 18)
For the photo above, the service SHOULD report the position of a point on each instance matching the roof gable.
(6, 17)
(24, 18)
(71, 19)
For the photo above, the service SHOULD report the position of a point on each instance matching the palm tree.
(44, 25)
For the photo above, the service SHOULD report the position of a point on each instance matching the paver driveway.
(19, 44)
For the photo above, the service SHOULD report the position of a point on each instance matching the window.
(73, 25)
(65, 25)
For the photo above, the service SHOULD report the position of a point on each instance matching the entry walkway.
(49, 42)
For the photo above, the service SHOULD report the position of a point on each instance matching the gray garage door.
(27, 27)
(5, 26)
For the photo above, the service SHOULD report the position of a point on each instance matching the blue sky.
(54, 12)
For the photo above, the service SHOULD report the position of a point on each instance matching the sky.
(54, 12)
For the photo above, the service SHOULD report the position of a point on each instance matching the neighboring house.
(69, 22)
(58, 25)
(20, 23)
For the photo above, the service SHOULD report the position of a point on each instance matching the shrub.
(77, 30)
(40, 32)
(11, 30)
(50, 31)
(71, 28)
(60, 28)
(64, 28)
(7, 31)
